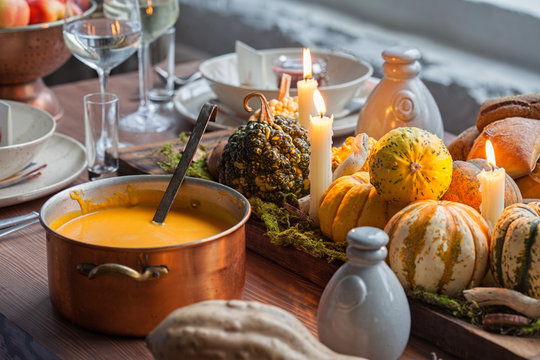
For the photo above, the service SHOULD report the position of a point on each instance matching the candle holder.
(292, 65)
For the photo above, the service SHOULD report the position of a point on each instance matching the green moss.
(458, 307)
(532, 330)
(171, 157)
(286, 229)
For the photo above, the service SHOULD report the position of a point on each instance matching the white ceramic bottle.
(363, 310)
(401, 98)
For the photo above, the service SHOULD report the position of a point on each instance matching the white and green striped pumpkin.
(438, 246)
(515, 252)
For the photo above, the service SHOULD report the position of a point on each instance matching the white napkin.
(6, 135)
(251, 66)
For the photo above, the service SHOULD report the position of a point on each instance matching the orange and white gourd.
(438, 246)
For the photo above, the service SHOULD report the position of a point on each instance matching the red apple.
(14, 13)
(42, 11)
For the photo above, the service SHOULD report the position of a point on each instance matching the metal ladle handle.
(208, 112)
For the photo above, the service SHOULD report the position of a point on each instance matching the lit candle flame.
(490, 154)
(307, 64)
(319, 102)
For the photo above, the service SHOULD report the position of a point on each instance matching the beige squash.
(218, 329)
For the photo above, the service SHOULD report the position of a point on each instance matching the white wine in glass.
(102, 41)
(156, 17)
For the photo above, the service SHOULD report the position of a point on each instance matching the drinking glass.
(156, 17)
(105, 37)
(101, 134)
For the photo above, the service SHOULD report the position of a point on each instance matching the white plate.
(65, 158)
(189, 100)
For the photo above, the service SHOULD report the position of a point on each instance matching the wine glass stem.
(144, 62)
(103, 75)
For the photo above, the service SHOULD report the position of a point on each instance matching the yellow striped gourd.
(409, 164)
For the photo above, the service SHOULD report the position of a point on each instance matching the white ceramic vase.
(363, 310)
(400, 99)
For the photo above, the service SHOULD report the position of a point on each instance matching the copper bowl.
(28, 54)
(128, 291)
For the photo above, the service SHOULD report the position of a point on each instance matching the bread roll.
(516, 142)
(526, 106)
(529, 185)
(459, 148)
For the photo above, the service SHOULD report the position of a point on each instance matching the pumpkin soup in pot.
(132, 226)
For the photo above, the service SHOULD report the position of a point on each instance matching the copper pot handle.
(149, 273)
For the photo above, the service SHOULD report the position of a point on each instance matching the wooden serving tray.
(452, 335)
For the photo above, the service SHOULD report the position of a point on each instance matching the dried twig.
(523, 304)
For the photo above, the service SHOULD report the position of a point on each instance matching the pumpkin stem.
(266, 112)
(415, 167)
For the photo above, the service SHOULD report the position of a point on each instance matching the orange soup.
(132, 226)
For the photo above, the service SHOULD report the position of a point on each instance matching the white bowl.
(345, 76)
(32, 128)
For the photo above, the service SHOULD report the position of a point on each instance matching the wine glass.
(104, 38)
(156, 17)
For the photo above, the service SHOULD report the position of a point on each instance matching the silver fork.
(178, 81)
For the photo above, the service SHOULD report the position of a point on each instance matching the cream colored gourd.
(356, 159)
(219, 329)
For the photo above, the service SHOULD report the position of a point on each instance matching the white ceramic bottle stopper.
(400, 98)
(363, 310)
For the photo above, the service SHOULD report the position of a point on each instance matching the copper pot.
(129, 291)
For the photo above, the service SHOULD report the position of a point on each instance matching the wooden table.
(23, 273)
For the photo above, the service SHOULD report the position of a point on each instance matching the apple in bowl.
(42, 11)
(14, 13)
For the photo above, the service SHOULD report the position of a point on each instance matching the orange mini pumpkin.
(464, 187)
(351, 201)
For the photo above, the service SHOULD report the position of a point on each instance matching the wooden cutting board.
(452, 335)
